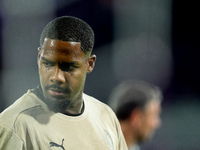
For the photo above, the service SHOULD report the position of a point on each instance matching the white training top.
(28, 124)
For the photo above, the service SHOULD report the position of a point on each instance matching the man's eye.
(67, 67)
(46, 64)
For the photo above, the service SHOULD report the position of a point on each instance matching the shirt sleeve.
(122, 143)
(9, 140)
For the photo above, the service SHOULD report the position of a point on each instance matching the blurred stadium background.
(155, 40)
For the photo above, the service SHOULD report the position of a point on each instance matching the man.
(137, 105)
(57, 114)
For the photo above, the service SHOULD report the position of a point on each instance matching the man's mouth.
(56, 92)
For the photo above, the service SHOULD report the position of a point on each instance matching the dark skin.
(63, 68)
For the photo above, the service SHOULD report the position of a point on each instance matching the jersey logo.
(108, 140)
(52, 144)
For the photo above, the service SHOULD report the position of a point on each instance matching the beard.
(145, 139)
(58, 105)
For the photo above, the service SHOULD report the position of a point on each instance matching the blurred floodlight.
(26, 8)
(143, 57)
(23, 22)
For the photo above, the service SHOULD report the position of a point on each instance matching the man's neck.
(74, 109)
(128, 133)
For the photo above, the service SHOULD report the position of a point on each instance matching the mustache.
(57, 87)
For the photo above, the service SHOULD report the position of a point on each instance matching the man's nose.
(57, 76)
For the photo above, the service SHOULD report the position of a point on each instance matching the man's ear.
(39, 54)
(136, 116)
(91, 63)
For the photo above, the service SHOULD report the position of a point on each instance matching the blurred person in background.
(137, 105)
(57, 114)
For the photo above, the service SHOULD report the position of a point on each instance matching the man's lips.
(56, 92)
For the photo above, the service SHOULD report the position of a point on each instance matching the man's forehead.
(53, 46)
(54, 40)
(59, 44)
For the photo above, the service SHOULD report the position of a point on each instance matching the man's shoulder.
(93, 100)
(97, 104)
(100, 110)
(10, 114)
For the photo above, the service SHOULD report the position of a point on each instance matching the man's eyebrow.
(44, 59)
(71, 63)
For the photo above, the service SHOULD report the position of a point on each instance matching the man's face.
(150, 120)
(62, 69)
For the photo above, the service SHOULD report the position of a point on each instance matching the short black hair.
(69, 28)
(132, 94)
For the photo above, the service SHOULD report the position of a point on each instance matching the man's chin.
(146, 139)
(58, 104)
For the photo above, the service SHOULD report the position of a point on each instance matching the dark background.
(185, 41)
